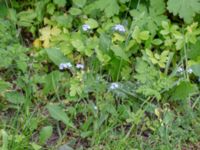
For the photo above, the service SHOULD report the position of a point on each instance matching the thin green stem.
(186, 61)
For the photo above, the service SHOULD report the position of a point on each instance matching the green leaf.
(118, 51)
(183, 90)
(58, 114)
(105, 42)
(51, 8)
(4, 86)
(56, 56)
(144, 35)
(45, 134)
(65, 147)
(103, 58)
(15, 97)
(186, 9)
(196, 69)
(60, 3)
(51, 82)
(154, 15)
(5, 137)
(194, 52)
(92, 23)
(75, 11)
(4, 9)
(36, 146)
(12, 15)
(78, 44)
(63, 20)
(79, 3)
(140, 36)
(26, 18)
(110, 7)
(157, 41)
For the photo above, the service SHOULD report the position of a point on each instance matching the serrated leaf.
(183, 90)
(58, 114)
(186, 9)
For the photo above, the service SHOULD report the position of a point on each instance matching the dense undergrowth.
(102, 75)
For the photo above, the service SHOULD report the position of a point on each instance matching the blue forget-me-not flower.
(86, 27)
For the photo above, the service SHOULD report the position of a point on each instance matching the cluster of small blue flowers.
(79, 66)
(114, 86)
(181, 69)
(86, 27)
(119, 28)
(63, 66)
(68, 65)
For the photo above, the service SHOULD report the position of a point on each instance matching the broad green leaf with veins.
(186, 9)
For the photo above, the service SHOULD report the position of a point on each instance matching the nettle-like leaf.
(183, 90)
(186, 9)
